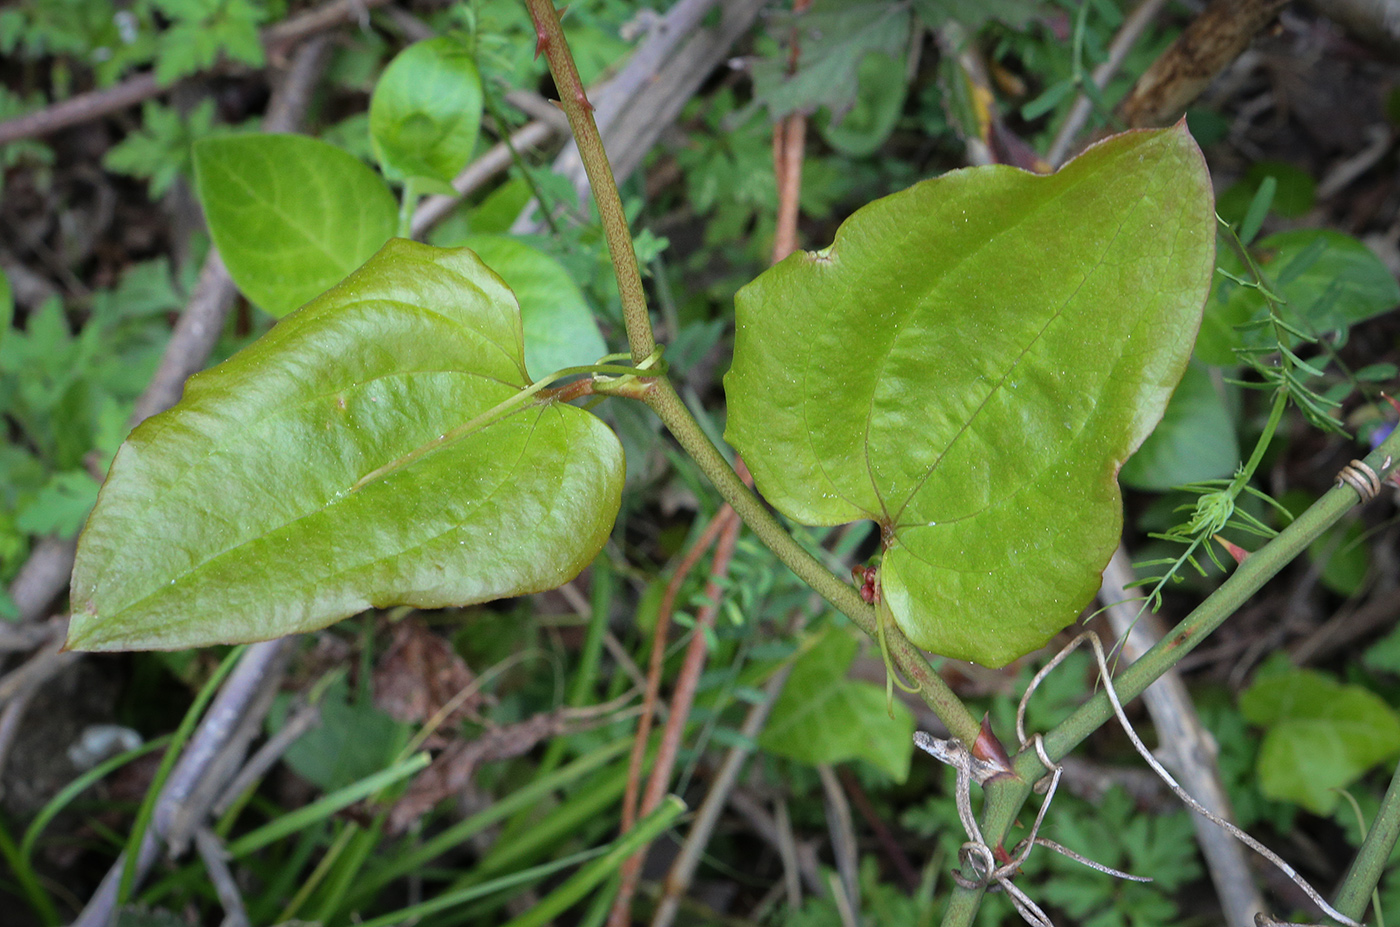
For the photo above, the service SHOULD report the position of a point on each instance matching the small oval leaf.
(969, 364)
(291, 215)
(253, 509)
(560, 330)
(426, 111)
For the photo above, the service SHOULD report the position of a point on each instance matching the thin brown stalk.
(789, 138)
(888, 844)
(660, 634)
(683, 869)
(682, 699)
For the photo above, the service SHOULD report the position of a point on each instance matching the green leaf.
(1330, 281)
(823, 717)
(291, 215)
(60, 506)
(879, 101)
(1343, 555)
(560, 330)
(968, 365)
(1294, 196)
(159, 152)
(7, 306)
(204, 30)
(304, 479)
(836, 35)
(1322, 735)
(354, 740)
(1195, 440)
(1384, 655)
(426, 111)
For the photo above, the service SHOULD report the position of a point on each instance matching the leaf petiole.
(650, 367)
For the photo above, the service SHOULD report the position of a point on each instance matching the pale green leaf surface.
(236, 516)
(1322, 735)
(426, 111)
(291, 215)
(1195, 440)
(823, 717)
(968, 365)
(560, 330)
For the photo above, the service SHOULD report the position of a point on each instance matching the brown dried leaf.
(452, 769)
(419, 674)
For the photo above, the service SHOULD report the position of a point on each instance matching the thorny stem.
(1006, 796)
(550, 40)
(842, 595)
(1370, 862)
(661, 395)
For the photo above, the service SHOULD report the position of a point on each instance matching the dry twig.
(1186, 746)
(1212, 40)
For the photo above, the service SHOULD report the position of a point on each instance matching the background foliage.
(101, 247)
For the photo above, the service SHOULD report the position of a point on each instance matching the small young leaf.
(291, 215)
(426, 111)
(1322, 735)
(560, 330)
(968, 365)
(261, 504)
(1258, 209)
(823, 717)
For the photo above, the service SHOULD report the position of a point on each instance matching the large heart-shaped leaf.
(291, 215)
(289, 487)
(560, 330)
(969, 364)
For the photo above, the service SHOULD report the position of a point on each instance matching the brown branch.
(789, 137)
(1212, 40)
(725, 526)
(658, 658)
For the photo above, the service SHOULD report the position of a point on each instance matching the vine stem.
(549, 38)
(667, 405)
(661, 396)
(1006, 796)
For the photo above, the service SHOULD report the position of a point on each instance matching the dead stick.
(1205, 47)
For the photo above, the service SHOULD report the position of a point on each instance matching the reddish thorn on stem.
(988, 748)
(1393, 404)
(541, 40)
(1234, 550)
(582, 100)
